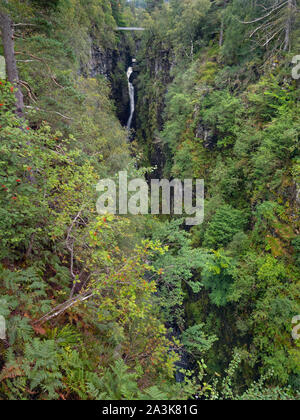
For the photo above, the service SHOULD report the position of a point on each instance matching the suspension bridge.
(121, 28)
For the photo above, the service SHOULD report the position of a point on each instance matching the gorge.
(110, 307)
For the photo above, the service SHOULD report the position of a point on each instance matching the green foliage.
(222, 112)
(226, 223)
(50, 250)
(218, 274)
(225, 108)
(90, 305)
(43, 370)
(175, 269)
(119, 383)
(296, 244)
(196, 342)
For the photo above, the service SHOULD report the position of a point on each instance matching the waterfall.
(131, 96)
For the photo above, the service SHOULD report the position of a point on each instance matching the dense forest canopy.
(111, 307)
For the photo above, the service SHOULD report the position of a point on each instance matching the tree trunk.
(7, 31)
(288, 25)
(221, 33)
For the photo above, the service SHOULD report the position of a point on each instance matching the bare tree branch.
(44, 62)
(265, 16)
(53, 112)
(58, 310)
(70, 247)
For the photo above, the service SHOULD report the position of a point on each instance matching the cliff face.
(155, 65)
(101, 62)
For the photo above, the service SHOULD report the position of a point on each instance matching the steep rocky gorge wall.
(113, 64)
(154, 76)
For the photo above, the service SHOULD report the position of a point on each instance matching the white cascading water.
(131, 96)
